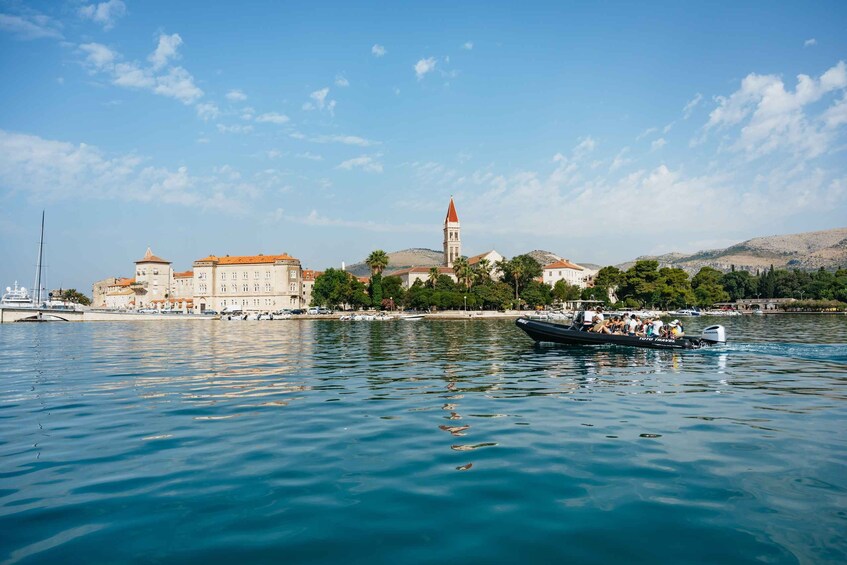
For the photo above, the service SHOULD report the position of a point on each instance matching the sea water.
(420, 442)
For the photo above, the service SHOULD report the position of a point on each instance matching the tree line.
(515, 283)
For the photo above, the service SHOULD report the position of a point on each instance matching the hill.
(417, 257)
(807, 251)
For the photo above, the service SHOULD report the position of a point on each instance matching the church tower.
(452, 239)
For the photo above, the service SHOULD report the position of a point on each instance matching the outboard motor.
(714, 334)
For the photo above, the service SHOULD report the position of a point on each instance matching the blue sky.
(599, 131)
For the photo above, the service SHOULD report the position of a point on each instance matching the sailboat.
(19, 299)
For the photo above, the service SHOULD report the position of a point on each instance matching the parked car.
(313, 311)
(210, 312)
(297, 311)
(324, 311)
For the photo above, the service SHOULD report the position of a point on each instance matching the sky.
(599, 131)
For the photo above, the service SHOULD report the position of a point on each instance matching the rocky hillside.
(808, 251)
(402, 260)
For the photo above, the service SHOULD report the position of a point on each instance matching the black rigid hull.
(557, 333)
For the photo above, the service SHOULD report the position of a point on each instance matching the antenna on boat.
(37, 296)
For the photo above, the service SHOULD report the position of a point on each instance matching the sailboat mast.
(38, 268)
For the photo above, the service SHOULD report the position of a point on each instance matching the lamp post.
(466, 304)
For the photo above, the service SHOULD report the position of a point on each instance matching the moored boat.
(572, 335)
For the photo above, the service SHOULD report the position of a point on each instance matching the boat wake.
(832, 352)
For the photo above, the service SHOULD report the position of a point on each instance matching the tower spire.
(452, 236)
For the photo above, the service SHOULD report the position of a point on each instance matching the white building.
(564, 270)
(258, 283)
(452, 236)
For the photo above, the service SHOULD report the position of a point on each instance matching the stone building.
(99, 290)
(309, 277)
(452, 236)
(153, 276)
(257, 283)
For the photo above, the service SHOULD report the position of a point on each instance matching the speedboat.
(574, 335)
(685, 312)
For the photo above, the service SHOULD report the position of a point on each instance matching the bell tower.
(452, 237)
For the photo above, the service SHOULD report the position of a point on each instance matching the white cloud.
(365, 162)
(378, 50)
(310, 156)
(173, 82)
(345, 139)
(316, 219)
(165, 51)
(48, 170)
(620, 160)
(775, 117)
(424, 66)
(236, 96)
(320, 101)
(98, 56)
(207, 111)
(104, 13)
(658, 144)
(468, 45)
(341, 80)
(236, 128)
(272, 118)
(810, 42)
(645, 133)
(178, 83)
(585, 146)
(30, 26)
(690, 105)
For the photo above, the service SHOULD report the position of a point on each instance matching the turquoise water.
(410, 442)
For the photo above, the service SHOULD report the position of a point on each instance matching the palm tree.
(482, 271)
(433, 277)
(377, 261)
(463, 271)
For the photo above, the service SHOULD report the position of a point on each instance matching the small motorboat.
(549, 332)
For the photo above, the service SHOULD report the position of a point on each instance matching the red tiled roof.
(452, 216)
(563, 264)
(150, 258)
(245, 259)
(123, 282)
(184, 275)
(310, 275)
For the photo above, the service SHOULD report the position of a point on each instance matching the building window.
(234, 287)
(292, 274)
(223, 288)
(223, 276)
(245, 287)
(256, 286)
(267, 287)
(267, 274)
(292, 287)
(255, 274)
(245, 276)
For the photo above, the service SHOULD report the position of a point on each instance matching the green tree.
(563, 291)
(536, 294)
(739, 284)
(392, 287)
(375, 290)
(519, 271)
(74, 296)
(433, 276)
(708, 288)
(494, 296)
(463, 272)
(336, 288)
(377, 261)
(482, 272)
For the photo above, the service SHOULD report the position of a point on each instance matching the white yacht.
(16, 297)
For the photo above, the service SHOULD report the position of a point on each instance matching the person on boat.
(633, 325)
(588, 319)
(600, 326)
(677, 331)
(657, 326)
